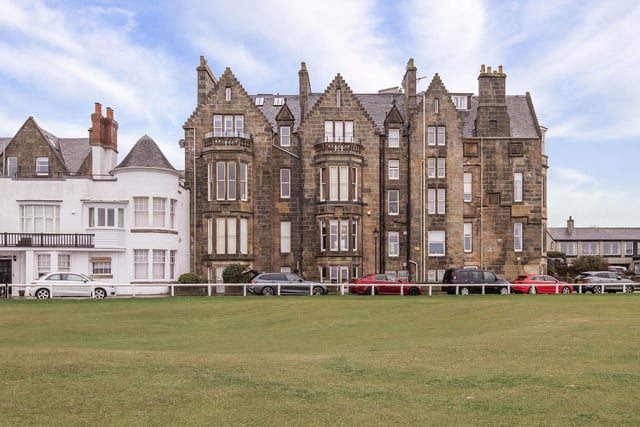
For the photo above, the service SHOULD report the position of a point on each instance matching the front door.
(5, 271)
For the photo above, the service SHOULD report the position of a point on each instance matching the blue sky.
(578, 58)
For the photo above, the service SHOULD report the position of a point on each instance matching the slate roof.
(593, 233)
(145, 153)
(74, 152)
(376, 105)
(523, 123)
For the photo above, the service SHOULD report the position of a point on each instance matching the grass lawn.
(552, 360)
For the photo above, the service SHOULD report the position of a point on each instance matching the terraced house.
(337, 184)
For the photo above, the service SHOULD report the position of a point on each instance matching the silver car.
(67, 284)
(287, 283)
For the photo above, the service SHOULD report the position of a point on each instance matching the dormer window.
(461, 102)
(259, 101)
(285, 136)
(228, 94)
(278, 101)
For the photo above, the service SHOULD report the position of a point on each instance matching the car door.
(541, 284)
(389, 285)
(294, 284)
(76, 285)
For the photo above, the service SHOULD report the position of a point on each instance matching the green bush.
(235, 273)
(590, 263)
(191, 278)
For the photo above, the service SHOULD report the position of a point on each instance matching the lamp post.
(375, 248)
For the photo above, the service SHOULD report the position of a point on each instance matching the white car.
(67, 284)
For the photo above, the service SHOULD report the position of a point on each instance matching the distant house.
(620, 246)
(67, 206)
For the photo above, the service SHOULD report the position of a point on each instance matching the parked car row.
(455, 281)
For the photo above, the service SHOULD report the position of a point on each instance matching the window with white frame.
(460, 102)
(260, 101)
(468, 236)
(394, 169)
(338, 98)
(285, 183)
(226, 240)
(278, 101)
(44, 264)
(221, 180)
(436, 243)
(101, 266)
(64, 262)
(141, 211)
(436, 167)
(141, 264)
(569, 248)
(468, 186)
(436, 201)
(628, 248)
(441, 167)
(285, 237)
(231, 180)
(210, 231)
(42, 166)
(227, 94)
(394, 243)
(435, 276)
(12, 167)
(338, 183)
(517, 237)
(394, 138)
(436, 105)
(172, 264)
(158, 263)
(436, 135)
(244, 188)
(393, 202)
(39, 218)
(285, 136)
(159, 207)
(517, 187)
(610, 248)
(172, 213)
(338, 131)
(589, 248)
(106, 217)
(338, 235)
(228, 125)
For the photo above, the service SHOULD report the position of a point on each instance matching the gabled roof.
(74, 151)
(593, 233)
(145, 153)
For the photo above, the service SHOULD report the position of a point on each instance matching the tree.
(236, 273)
(590, 263)
(191, 278)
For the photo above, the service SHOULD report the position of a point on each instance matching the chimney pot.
(98, 108)
(482, 68)
(489, 70)
(500, 69)
(109, 113)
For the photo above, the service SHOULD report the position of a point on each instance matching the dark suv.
(603, 281)
(464, 281)
(287, 283)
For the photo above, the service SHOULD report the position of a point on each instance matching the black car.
(284, 284)
(603, 281)
(464, 281)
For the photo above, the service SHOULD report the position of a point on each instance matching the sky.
(579, 60)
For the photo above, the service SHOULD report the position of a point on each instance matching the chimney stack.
(305, 88)
(570, 225)
(409, 84)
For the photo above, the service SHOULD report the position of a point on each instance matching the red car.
(383, 284)
(540, 284)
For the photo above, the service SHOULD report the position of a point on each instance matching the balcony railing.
(227, 139)
(50, 240)
(337, 145)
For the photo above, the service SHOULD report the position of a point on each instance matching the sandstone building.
(337, 184)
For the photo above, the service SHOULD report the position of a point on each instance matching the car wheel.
(504, 291)
(268, 291)
(628, 289)
(414, 291)
(99, 293)
(597, 290)
(317, 290)
(43, 293)
(464, 290)
(566, 290)
(532, 290)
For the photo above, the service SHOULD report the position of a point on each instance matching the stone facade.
(337, 184)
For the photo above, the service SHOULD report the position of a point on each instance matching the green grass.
(288, 361)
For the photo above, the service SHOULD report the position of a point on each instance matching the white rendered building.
(67, 206)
